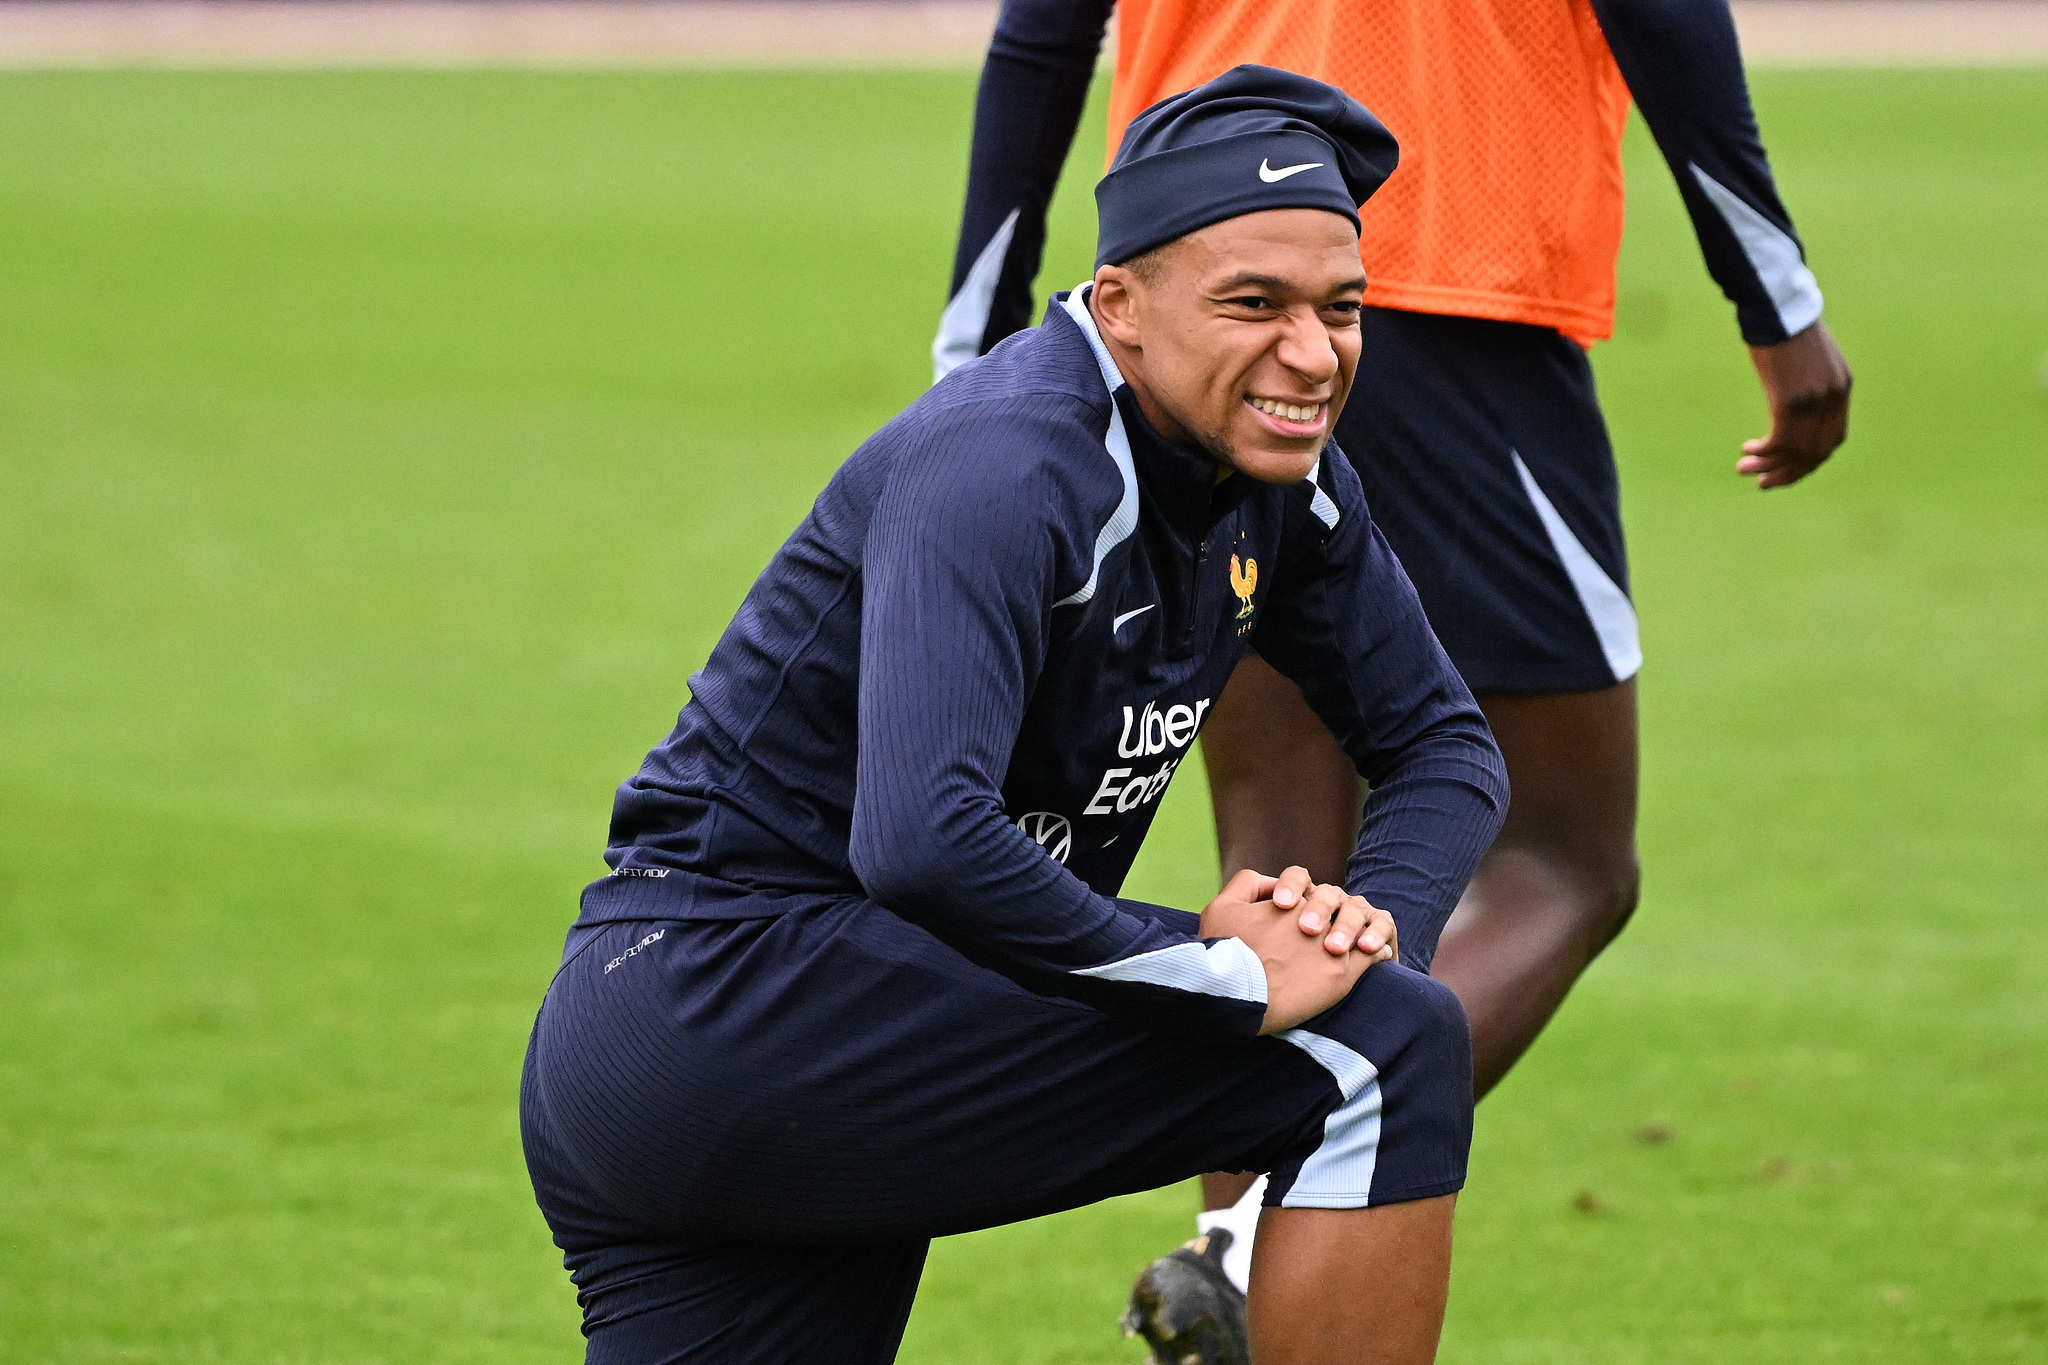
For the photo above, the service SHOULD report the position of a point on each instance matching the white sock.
(1242, 1219)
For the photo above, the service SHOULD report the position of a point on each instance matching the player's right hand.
(1344, 921)
(1303, 977)
(1806, 382)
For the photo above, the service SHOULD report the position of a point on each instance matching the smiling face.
(1241, 339)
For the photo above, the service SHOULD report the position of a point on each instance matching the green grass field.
(380, 453)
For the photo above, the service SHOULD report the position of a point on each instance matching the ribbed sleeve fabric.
(964, 558)
(1344, 623)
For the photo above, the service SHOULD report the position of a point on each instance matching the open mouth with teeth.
(1308, 417)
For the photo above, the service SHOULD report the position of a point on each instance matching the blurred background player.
(1490, 258)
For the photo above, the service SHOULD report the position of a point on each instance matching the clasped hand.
(1314, 939)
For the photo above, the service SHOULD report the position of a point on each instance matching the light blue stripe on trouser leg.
(1338, 1174)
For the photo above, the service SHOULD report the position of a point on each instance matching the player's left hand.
(1806, 381)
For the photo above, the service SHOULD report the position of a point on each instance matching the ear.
(1115, 307)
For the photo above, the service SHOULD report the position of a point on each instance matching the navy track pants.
(743, 1133)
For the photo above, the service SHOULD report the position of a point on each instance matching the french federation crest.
(1244, 581)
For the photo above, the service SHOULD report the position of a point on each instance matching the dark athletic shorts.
(1486, 464)
(744, 1132)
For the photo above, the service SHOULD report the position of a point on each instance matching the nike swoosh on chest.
(1117, 624)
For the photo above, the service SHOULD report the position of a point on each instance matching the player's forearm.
(963, 871)
(947, 856)
(1399, 710)
(1426, 826)
(1033, 87)
(1684, 68)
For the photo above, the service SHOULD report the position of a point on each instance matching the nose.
(1305, 347)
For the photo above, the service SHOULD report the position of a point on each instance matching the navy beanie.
(1254, 138)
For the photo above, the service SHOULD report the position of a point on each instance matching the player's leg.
(1401, 1251)
(1330, 1234)
(1561, 878)
(1556, 887)
(757, 1304)
(1306, 1307)
(1172, 1294)
(655, 1295)
(1487, 465)
(1318, 1244)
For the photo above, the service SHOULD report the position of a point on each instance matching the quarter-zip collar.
(1180, 482)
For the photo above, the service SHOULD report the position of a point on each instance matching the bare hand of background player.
(1806, 382)
(1303, 977)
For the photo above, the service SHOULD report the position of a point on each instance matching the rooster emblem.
(1244, 582)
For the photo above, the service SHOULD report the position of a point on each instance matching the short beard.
(1217, 446)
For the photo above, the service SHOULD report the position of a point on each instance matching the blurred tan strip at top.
(495, 33)
(760, 34)
(1925, 33)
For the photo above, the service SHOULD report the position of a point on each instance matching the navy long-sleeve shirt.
(1680, 61)
(963, 684)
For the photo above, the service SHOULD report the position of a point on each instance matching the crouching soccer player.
(859, 977)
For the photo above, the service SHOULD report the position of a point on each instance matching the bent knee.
(1564, 892)
(1419, 992)
(1428, 998)
(1443, 1034)
(1412, 1022)
(1624, 891)
(1400, 1053)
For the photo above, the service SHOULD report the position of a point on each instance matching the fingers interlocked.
(1345, 921)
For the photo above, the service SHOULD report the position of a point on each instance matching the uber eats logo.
(1146, 734)
(1154, 731)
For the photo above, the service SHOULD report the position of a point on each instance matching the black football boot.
(1187, 1309)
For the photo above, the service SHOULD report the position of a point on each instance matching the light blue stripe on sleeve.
(1772, 254)
(1226, 967)
(965, 321)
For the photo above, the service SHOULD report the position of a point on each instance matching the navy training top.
(961, 687)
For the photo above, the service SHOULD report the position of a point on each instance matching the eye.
(1250, 302)
(1346, 312)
